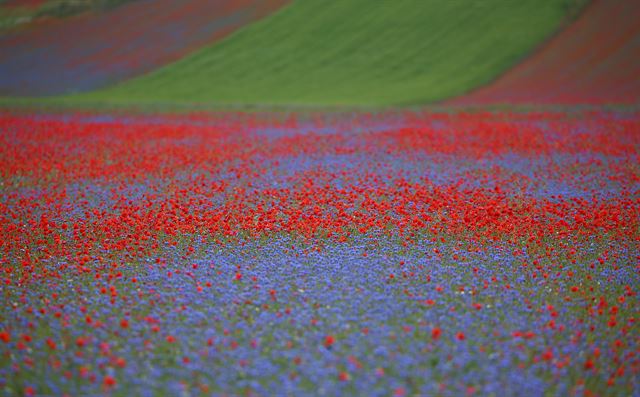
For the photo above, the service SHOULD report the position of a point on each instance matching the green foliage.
(353, 52)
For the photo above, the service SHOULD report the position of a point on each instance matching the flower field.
(582, 65)
(46, 58)
(392, 254)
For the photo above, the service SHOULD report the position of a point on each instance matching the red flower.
(329, 340)
(399, 392)
(121, 362)
(109, 381)
(460, 336)
(588, 365)
(435, 333)
(51, 344)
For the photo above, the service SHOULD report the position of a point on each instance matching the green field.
(355, 52)
(352, 52)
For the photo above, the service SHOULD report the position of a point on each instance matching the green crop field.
(354, 52)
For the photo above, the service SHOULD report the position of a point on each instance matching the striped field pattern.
(390, 254)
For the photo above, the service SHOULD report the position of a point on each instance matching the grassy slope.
(94, 50)
(592, 62)
(353, 52)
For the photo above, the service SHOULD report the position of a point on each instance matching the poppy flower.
(329, 340)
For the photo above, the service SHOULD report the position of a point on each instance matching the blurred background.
(369, 53)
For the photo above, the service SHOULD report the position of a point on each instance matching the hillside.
(92, 50)
(595, 60)
(353, 52)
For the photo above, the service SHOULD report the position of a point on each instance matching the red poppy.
(329, 340)
(109, 381)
